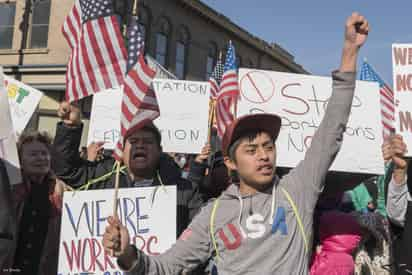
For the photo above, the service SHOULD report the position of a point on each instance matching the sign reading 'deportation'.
(184, 108)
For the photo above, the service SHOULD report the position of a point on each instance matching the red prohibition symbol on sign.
(257, 87)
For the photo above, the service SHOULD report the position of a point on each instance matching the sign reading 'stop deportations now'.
(301, 102)
(402, 81)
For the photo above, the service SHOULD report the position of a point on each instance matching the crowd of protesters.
(236, 212)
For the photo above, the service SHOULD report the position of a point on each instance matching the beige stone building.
(185, 36)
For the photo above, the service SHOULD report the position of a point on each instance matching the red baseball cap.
(268, 123)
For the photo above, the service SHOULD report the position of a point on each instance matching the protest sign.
(301, 101)
(8, 147)
(402, 82)
(184, 107)
(105, 118)
(149, 213)
(23, 101)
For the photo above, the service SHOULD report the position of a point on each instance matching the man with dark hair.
(145, 164)
(263, 225)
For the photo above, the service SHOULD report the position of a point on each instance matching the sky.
(312, 31)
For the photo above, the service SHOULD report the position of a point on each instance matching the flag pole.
(116, 189)
(118, 164)
(212, 110)
(135, 6)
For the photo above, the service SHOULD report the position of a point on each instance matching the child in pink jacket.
(340, 234)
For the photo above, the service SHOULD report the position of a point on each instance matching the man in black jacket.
(145, 164)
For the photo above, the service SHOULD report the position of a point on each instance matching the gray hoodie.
(259, 234)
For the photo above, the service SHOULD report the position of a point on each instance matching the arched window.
(250, 64)
(238, 61)
(211, 59)
(144, 22)
(183, 38)
(162, 38)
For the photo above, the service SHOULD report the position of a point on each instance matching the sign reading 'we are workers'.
(144, 211)
(301, 102)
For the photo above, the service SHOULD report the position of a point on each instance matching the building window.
(162, 42)
(181, 52)
(40, 24)
(250, 64)
(211, 58)
(161, 48)
(7, 13)
(238, 61)
(144, 22)
(180, 60)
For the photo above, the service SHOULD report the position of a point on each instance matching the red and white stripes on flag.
(228, 93)
(387, 98)
(139, 104)
(98, 58)
(387, 110)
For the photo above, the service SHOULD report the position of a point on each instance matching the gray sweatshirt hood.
(233, 193)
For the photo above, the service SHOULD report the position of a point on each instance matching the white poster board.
(149, 213)
(184, 108)
(301, 100)
(105, 118)
(23, 101)
(8, 147)
(402, 82)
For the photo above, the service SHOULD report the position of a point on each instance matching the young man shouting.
(263, 224)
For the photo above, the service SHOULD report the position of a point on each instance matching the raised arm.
(310, 174)
(398, 193)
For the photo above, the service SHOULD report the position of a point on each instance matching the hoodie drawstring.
(272, 212)
(240, 210)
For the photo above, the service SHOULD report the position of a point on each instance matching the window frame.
(33, 25)
(10, 27)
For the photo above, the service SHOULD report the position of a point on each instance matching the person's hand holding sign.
(116, 242)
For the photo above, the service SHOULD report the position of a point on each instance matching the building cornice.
(273, 50)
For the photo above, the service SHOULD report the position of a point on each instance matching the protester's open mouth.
(139, 156)
(41, 165)
(265, 169)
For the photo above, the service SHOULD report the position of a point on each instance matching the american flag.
(228, 93)
(98, 58)
(216, 78)
(139, 104)
(387, 98)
